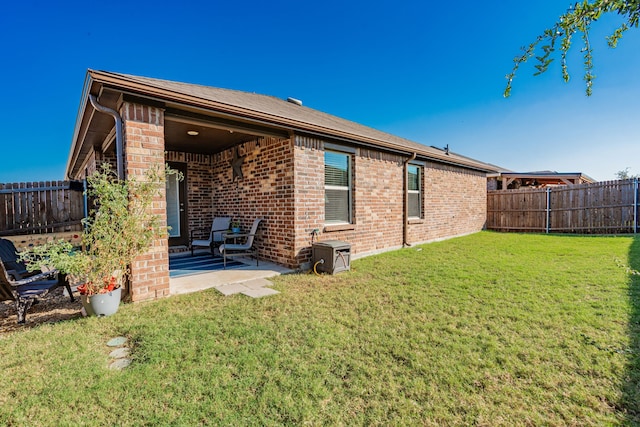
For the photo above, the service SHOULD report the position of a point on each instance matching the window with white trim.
(337, 188)
(414, 188)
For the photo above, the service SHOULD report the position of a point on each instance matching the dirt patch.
(55, 307)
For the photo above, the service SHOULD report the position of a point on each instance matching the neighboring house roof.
(268, 110)
(549, 177)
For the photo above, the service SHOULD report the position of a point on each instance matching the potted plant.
(235, 226)
(119, 228)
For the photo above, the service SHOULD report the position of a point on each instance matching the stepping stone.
(120, 364)
(260, 292)
(234, 288)
(257, 283)
(120, 353)
(117, 342)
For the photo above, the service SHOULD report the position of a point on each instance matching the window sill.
(415, 221)
(339, 227)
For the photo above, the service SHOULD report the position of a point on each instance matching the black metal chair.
(16, 269)
(24, 287)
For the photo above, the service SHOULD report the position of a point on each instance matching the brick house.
(246, 155)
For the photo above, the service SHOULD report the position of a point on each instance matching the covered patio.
(227, 162)
(246, 277)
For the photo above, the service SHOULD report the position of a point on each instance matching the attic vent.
(294, 101)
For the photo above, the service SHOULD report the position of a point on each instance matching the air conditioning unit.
(331, 256)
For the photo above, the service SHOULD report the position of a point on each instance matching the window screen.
(337, 187)
(415, 191)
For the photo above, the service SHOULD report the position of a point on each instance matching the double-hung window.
(337, 187)
(414, 189)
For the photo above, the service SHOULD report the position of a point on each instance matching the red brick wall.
(308, 194)
(377, 199)
(266, 191)
(143, 131)
(284, 184)
(454, 201)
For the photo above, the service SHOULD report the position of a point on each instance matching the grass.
(489, 329)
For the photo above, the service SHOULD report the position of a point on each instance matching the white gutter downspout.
(119, 144)
(405, 213)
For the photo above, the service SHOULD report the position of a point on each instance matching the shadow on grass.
(631, 391)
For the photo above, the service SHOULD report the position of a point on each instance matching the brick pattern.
(376, 205)
(284, 184)
(144, 148)
(200, 190)
(308, 195)
(95, 159)
(266, 191)
(454, 201)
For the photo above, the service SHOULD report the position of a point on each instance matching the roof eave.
(73, 152)
(122, 83)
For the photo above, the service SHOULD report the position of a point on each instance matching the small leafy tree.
(625, 174)
(577, 19)
(120, 227)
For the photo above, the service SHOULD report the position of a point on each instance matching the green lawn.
(489, 329)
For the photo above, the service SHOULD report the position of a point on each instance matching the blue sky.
(426, 71)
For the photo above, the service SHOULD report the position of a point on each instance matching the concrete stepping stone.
(120, 364)
(234, 288)
(120, 353)
(116, 342)
(260, 292)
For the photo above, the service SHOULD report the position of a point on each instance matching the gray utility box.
(336, 256)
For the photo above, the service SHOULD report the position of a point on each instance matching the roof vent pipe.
(119, 145)
(294, 101)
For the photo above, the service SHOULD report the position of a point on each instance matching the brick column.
(143, 149)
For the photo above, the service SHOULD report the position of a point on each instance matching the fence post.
(635, 205)
(548, 209)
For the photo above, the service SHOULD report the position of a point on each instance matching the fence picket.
(40, 207)
(602, 207)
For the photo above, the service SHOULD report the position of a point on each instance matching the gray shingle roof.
(280, 111)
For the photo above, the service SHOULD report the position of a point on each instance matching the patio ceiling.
(216, 132)
(208, 141)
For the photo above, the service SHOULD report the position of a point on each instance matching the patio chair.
(229, 250)
(218, 227)
(24, 292)
(16, 269)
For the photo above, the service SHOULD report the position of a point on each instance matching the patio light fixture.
(193, 132)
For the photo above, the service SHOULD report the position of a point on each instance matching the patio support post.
(143, 127)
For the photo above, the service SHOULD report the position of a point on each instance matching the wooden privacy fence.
(41, 207)
(602, 208)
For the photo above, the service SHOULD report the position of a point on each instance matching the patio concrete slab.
(215, 279)
(260, 292)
